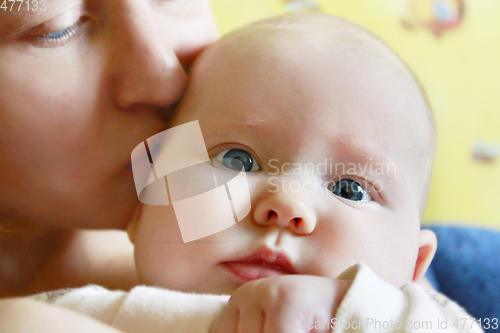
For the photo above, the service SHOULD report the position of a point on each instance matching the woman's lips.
(261, 264)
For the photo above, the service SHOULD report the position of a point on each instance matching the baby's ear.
(132, 227)
(427, 249)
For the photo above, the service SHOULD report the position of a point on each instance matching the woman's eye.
(235, 158)
(350, 189)
(57, 37)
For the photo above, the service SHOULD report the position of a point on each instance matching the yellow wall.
(460, 70)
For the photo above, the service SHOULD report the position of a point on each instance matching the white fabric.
(370, 305)
(145, 309)
(374, 305)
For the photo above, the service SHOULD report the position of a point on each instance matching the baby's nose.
(285, 210)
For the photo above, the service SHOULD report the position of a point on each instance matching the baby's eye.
(350, 189)
(233, 158)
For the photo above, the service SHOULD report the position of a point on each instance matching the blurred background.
(453, 46)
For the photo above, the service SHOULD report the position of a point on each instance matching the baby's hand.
(288, 304)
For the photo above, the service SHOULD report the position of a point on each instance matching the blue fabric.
(466, 268)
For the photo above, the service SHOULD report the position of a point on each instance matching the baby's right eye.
(234, 158)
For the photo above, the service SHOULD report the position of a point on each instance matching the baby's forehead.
(312, 52)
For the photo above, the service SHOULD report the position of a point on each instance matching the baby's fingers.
(294, 322)
(227, 321)
(284, 322)
(251, 320)
(236, 320)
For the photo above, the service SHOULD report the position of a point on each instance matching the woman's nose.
(146, 68)
(286, 210)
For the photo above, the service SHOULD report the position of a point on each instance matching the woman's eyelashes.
(350, 189)
(59, 37)
(238, 159)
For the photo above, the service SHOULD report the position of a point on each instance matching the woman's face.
(81, 84)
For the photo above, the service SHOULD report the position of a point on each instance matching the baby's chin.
(219, 288)
(228, 289)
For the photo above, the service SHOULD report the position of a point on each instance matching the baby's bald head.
(319, 57)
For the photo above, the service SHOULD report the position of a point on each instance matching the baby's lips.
(262, 263)
(248, 271)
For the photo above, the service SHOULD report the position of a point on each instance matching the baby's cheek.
(155, 243)
(402, 257)
(158, 224)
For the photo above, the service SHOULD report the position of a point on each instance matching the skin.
(13, 316)
(296, 90)
(281, 305)
(71, 113)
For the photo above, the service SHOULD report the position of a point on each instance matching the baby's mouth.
(262, 264)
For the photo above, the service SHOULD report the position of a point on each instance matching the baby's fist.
(285, 304)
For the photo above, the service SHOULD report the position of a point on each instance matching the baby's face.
(334, 143)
